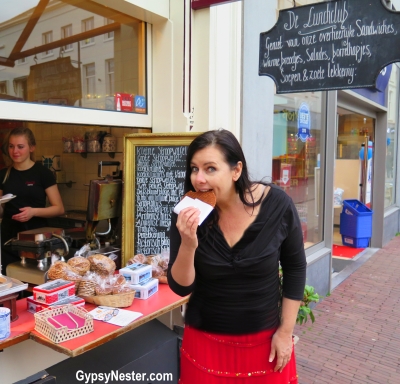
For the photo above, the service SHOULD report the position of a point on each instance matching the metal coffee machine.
(104, 203)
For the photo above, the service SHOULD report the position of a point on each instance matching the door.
(353, 175)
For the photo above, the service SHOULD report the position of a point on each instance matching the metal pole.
(365, 170)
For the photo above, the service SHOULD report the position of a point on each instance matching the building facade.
(72, 69)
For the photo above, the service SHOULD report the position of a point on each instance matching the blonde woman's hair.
(30, 138)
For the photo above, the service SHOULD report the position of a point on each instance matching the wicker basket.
(120, 300)
(62, 333)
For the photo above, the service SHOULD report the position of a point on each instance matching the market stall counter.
(161, 302)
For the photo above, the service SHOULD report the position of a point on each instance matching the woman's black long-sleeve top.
(236, 289)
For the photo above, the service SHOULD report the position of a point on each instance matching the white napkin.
(205, 209)
(6, 198)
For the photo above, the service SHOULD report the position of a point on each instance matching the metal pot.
(109, 143)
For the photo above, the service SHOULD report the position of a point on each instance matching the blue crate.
(356, 219)
(355, 242)
(355, 226)
(356, 208)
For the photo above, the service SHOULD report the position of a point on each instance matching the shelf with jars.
(93, 144)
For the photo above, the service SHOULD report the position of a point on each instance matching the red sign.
(198, 4)
(286, 170)
(124, 102)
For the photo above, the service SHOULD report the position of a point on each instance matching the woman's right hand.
(187, 223)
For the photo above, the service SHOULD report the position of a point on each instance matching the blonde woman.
(32, 184)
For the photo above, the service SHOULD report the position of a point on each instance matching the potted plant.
(310, 296)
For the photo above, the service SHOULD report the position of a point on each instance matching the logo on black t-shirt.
(30, 183)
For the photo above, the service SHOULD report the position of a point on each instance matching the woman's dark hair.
(232, 152)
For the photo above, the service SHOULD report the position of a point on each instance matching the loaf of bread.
(103, 289)
(121, 289)
(79, 264)
(101, 264)
(118, 281)
(153, 260)
(157, 271)
(58, 270)
(139, 258)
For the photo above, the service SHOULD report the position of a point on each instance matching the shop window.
(90, 81)
(69, 78)
(87, 25)
(108, 35)
(297, 151)
(67, 32)
(47, 38)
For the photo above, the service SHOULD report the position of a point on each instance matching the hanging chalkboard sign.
(330, 45)
(154, 174)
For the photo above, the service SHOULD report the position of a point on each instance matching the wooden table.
(161, 302)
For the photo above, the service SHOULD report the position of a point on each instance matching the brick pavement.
(356, 335)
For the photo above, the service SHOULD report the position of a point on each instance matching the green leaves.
(310, 296)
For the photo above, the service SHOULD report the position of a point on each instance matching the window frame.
(4, 83)
(91, 40)
(69, 47)
(110, 87)
(89, 81)
(11, 110)
(45, 41)
(107, 36)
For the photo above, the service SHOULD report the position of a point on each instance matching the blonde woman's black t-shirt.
(236, 289)
(29, 188)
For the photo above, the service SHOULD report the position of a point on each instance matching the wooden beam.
(6, 62)
(29, 28)
(102, 10)
(68, 40)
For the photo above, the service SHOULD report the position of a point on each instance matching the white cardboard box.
(136, 273)
(145, 289)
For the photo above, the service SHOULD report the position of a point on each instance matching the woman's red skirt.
(209, 358)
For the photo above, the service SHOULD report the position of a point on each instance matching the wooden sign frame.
(339, 44)
(131, 142)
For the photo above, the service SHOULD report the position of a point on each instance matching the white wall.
(257, 95)
(225, 67)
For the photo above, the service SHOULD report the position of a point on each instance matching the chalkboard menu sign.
(330, 45)
(154, 174)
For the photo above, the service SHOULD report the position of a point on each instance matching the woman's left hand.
(281, 348)
(26, 214)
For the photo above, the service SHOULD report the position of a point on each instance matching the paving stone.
(356, 336)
